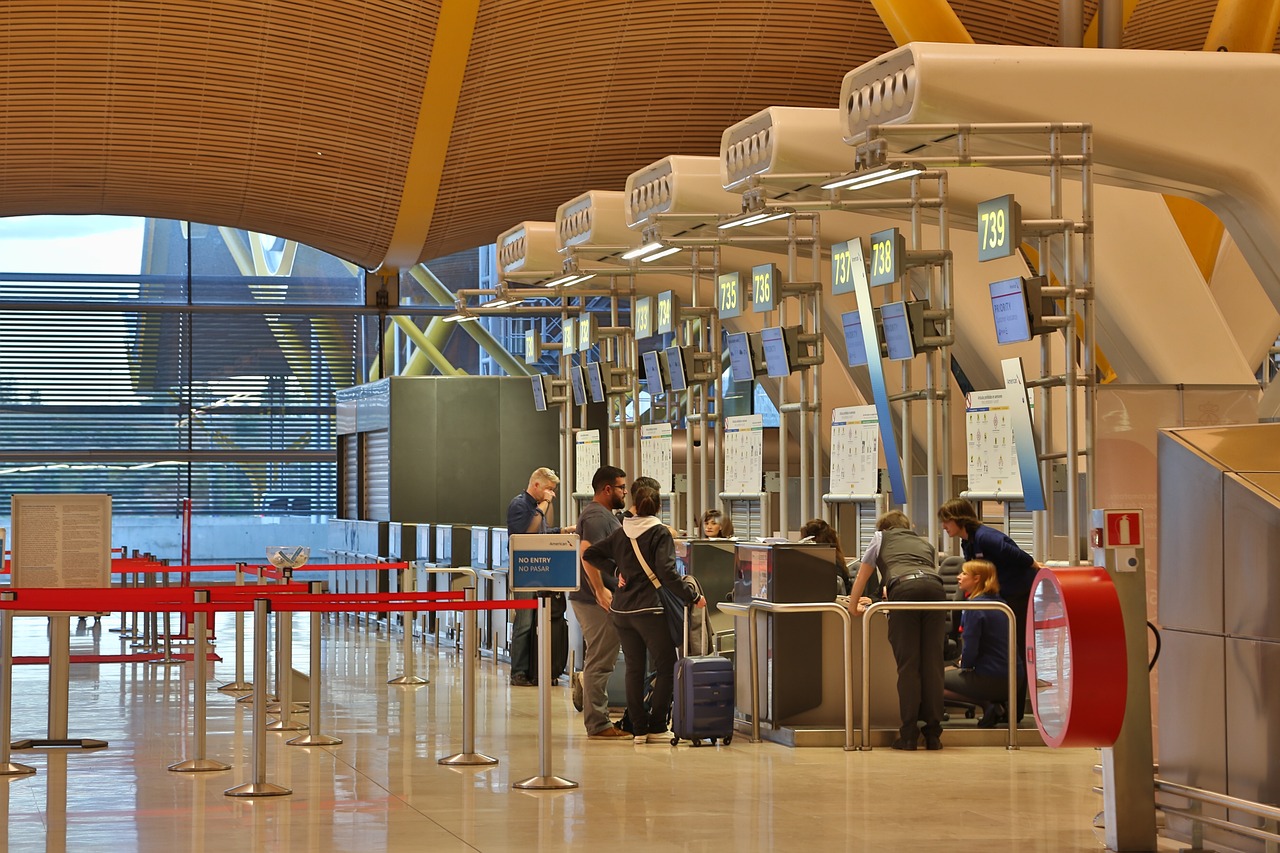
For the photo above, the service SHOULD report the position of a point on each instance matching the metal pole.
(753, 641)
(470, 635)
(544, 781)
(408, 584)
(284, 672)
(239, 684)
(7, 767)
(168, 659)
(199, 685)
(259, 787)
(258, 674)
(59, 674)
(313, 737)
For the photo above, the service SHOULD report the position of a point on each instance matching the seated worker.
(817, 530)
(983, 676)
(716, 525)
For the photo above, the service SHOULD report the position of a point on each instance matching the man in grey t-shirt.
(591, 605)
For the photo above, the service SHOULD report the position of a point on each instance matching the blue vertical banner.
(1024, 437)
(544, 562)
(871, 342)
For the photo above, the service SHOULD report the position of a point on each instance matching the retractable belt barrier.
(261, 600)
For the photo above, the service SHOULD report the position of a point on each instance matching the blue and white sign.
(544, 562)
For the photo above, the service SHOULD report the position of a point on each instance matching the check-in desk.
(802, 656)
(494, 625)
(711, 562)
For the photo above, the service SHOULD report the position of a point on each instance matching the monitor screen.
(852, 322)
(1009, 307)
(579, 387)
(741, 368)
(897, 331)
(653, 374)
(676, 368)
(539, 393)
(777, 355)
(595, 381)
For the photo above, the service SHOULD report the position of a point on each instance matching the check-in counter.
(711, 561)
(802, 655)
(453, 549)
(496, 625)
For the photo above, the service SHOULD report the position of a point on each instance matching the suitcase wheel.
(725, 740)
(675, 741)
(697, 741)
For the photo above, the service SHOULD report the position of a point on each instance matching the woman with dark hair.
(645, 556)
(983, 676)
(716, 525)
(908, 567)
(1015, 570)
(817, 530)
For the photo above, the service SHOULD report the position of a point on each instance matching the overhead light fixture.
(494, 303)
(580, 279)
(667, 252)
(569, 278)
(881, 175)
(641, 251)
(757, 218)
(453, 318)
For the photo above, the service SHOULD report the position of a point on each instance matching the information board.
(744, 454)
(61, 541)
(990, 449)
(1024, 436)
(544, 562)
(855, 452)
(655, 455)
(586, 459)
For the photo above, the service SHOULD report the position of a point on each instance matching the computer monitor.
(579, 387)
(779, 346)
(539, 392)
(677, 368)
(857, 350)
(897, 331)
(654, 381)
(1018, 308)
(595, 381)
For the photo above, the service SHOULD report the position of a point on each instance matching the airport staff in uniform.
(908, 567)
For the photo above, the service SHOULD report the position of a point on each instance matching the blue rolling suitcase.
(703, 704)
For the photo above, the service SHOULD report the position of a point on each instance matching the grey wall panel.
(1193, 740)
(530, 440)
(1253, 722)
(414, 448)
(1251, 555)
(1190, 501)
(468, 432)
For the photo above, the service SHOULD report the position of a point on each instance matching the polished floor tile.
(383, 790)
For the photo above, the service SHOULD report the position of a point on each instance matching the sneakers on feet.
(575, 689)
(640, 740)
(519, 679)
(611, 733)
(658, 737)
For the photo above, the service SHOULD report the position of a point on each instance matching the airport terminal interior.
(295, 296)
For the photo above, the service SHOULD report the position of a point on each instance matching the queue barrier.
(67, 601)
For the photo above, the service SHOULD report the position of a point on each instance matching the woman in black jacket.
(646, 558)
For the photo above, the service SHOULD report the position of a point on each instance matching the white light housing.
(670, 250)
(874, 177)
(641, 251)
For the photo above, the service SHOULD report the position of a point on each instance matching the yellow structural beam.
(440, 93)
(921, 20)
(427, 348)
(441, 294)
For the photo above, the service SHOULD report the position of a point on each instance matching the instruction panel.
(586, 459)
(744, 454)
(855, 452)
(655, 455)
(989, 445)
(61, 540)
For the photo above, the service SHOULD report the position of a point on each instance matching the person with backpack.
(645, 556)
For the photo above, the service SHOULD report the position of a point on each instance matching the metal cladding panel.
(1193, 716)
(415, 452)
(467, 441)
(1189, 487)
(678, 185)
(1252, 723)
(530, 250)
(1251, 550)
(784, 141)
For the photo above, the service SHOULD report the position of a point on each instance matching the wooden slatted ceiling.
(296, 117)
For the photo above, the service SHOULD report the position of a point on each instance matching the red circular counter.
(1076, 659)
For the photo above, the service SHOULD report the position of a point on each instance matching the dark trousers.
(978, 689)
(917, 637)
(1018, 604)
(640, 633)
(522, 639)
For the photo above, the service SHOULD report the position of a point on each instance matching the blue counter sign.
(544, 562)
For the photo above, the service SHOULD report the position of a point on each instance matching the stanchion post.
(239, 684)
(260, 579)
(314, 737)
(198, 763)
(284, 668)
(7, 767)
(406, 656)
(470, 635)
(545, 780)
(259, 787)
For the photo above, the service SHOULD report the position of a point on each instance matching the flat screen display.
(595, 381)
(741, 368)
(1009, 308)
(676, 368)
(853, 342)
(777, 355)
(653, 374)
(579, 387)
(539, 394)
(897, 331)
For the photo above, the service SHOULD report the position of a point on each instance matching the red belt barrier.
(238, 599)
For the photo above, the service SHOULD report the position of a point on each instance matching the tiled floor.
(382, 789)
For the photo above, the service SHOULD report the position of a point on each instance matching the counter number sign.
(887, 251)
(668, 312)
(847, 266)
(729, 295)
(999, 228)
(764, 288)
(642, 322)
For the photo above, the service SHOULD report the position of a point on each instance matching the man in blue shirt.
(530, 512)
